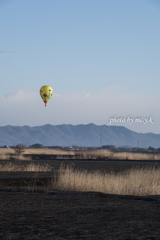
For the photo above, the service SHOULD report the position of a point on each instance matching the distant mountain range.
(77, 135)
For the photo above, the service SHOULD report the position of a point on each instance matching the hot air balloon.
(46, 93)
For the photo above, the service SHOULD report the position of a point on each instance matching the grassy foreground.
(139, 182)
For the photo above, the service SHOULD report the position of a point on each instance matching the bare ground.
(64, 215)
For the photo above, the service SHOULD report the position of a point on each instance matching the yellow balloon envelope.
(46, 93)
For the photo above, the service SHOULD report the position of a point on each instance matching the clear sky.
(101, 57)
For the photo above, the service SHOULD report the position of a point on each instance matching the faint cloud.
(20, 95)
(87, 95)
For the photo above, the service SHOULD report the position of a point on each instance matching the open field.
(29, 154)
(140, 179)
(8, 153)
(35, 151)
(48, 200)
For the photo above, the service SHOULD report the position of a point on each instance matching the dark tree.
(151, 149)
(110, 147)
(19, 148)
(36, 145)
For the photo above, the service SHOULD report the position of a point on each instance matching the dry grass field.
(4, 152)
(138, 182)
(136, 156)
(100, 154)
(86, 154)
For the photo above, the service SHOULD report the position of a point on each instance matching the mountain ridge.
(78, 135)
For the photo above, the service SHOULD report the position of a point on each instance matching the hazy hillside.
(79, 135)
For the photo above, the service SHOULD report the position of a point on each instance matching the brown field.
(79, 199)
(5, 151)
(86, 154)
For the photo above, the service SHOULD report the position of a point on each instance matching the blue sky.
(102, 58)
